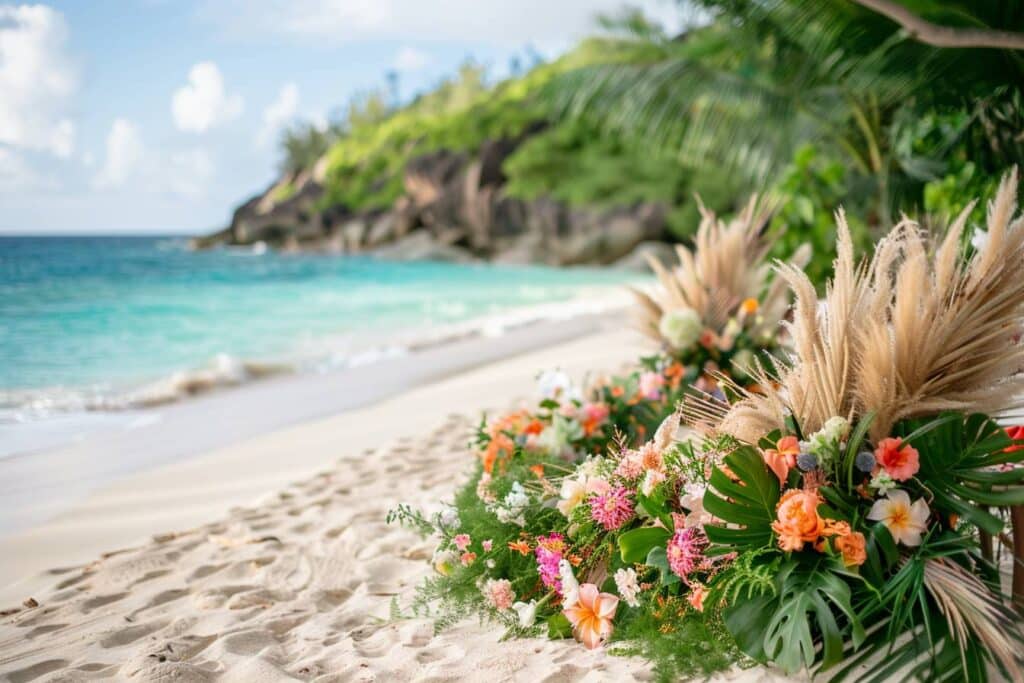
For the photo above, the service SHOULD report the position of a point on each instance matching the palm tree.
(757, 78)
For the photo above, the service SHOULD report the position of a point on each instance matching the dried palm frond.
(973, 611)
(917, 330)
(725, 267)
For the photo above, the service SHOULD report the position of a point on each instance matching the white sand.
(297, 584)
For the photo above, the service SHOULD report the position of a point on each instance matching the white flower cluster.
(511, 509)
(824, 442)
(680, 327)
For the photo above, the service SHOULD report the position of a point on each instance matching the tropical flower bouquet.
(858, 490)
(712, 315)
(718, 311)
(611, 548)
(835, 514)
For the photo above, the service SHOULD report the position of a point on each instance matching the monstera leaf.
(959, 458)
(747, 505)
(812, 605)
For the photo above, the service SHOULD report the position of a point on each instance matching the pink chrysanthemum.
(461, 541)
(549, 553)
(612, 509)
(499, 593)
(686, 551)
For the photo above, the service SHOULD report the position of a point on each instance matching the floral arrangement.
(569, 424)
(865, 479)
(719, 309)
(712, 315)
(836, 519)
(601, 550)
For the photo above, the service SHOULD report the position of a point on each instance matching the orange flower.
(468, 558)
(901, 462)
(534, 427)
(522, 547)
(782, 458)
(851, 547)
(538, 470)
(789, 445)
(500, 448)
(591, 616)
(749, 306)
(618, 391)
(696, 597)
(798, 520)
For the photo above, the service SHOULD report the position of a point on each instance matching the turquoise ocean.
(109, 323)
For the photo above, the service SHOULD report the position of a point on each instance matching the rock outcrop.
(453, 208)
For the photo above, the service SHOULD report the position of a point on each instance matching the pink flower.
(461, 541)
(591, 616)
(651, 384)
(488, 544)
(686, 552)
(549, 553)
(598, 485)
(612, 509)
(499, 593)
(630, 466)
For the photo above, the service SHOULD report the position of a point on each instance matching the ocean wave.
(225, 371)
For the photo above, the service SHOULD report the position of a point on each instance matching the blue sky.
(161, 115)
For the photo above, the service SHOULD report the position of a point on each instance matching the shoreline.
(38, 420)
(66, 505)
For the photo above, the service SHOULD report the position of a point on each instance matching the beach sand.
(292, 583)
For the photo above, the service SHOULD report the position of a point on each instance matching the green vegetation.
(816, 104)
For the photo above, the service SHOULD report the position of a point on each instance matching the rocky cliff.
(453, 208)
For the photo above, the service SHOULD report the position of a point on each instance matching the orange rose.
(798, 520)
(851, 547)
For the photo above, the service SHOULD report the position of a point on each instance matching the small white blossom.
(882, 483)
(626, 584)
(570, 586)
(681, 327)
(527, 612)
(554, 384)
(448, 517)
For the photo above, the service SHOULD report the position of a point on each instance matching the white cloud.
(37, 80)
(189, 172)
(203, 103)
(410, 59)
(279, 113)
(124, 153)
(15, 174)
(495, 22)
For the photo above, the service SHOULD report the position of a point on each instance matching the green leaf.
(958, 455)
(747, 622)
(658, 558)
(559, 627)
(634, 545)
(804, 615)
(749, 503)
